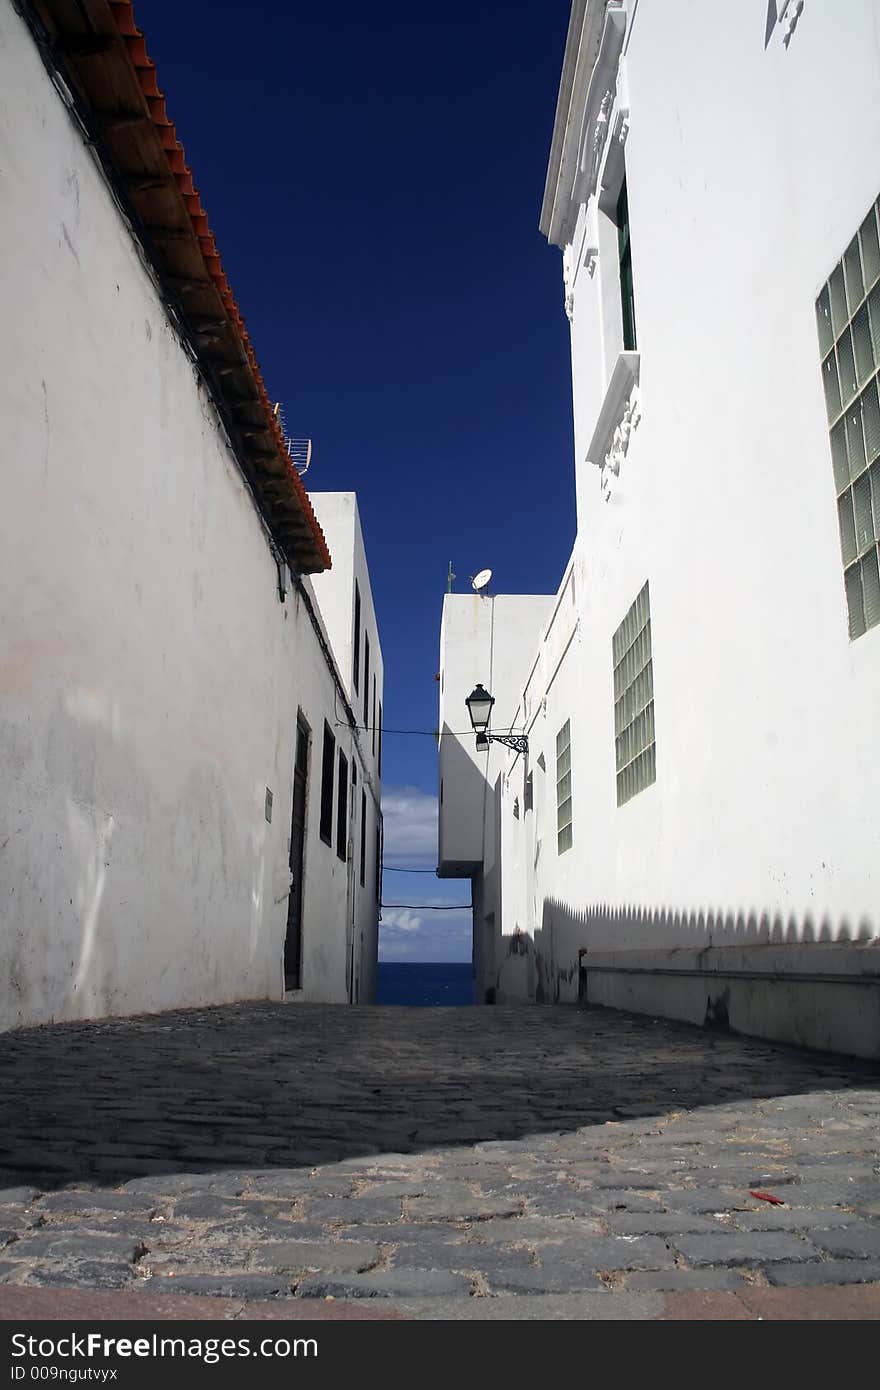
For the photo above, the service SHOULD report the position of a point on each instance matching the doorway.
(293, 938)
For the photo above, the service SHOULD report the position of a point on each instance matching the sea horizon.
(425, 984)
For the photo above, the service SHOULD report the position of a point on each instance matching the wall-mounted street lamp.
(479, 707)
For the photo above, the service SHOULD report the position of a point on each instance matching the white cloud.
(397, 919)
(410, 826)
(415, 930)
(405, 934)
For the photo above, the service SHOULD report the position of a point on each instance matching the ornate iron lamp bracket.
(518, 742)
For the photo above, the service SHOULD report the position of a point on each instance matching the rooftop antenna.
(479, 581)
(299, 451)
(450, 579)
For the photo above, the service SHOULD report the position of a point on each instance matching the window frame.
(342, 809)
(356, 646)
(624, 270)
(632, 658)
(366, 681)
(374, 714)
(848, 328)
(328, 774)
(564, 827)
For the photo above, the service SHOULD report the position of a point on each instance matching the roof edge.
(100, 55)
(582, 46)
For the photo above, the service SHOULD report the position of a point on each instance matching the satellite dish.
(480, 580)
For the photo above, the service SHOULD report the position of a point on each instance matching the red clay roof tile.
(147, 78)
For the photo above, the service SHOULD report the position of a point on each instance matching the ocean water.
(424, 985)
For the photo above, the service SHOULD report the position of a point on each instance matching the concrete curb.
(823, 1303)
(19, 1303)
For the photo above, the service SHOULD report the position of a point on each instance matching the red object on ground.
(768, 1197)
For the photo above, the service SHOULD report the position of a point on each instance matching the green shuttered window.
(848, 321)
(563, 788)
(634, 701)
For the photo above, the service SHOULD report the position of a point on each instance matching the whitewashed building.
(695, 829)
(189, 810)
(484, 640)
(345, 601)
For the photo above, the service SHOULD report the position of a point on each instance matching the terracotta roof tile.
(306, 545)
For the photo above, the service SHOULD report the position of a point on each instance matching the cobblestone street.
(434, 1159)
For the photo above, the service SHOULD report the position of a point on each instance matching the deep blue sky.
(374, 176)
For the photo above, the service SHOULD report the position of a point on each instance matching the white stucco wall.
(336, 512)
(762, 827)
(340, 521)
(484, 639)
(741, 198)
(334, 591)
(340, 915)
(149, 675)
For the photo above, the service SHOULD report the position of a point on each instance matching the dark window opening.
(627, 301)
(356, 668)
(366, 681)
(293, 935)
(327, 761)
(379, 860)
(363, 838)
(374, 716)
(342, 809)
(303, 735)
(380, 738)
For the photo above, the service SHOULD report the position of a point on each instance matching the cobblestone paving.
(265, 1151)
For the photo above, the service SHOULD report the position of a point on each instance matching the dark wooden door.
(293, 939)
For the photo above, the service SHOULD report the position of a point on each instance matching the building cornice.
(586, 92)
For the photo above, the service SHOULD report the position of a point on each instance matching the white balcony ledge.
(619, 416)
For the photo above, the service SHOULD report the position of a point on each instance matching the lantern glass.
(479, 704)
